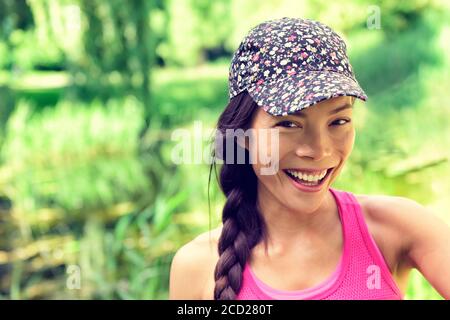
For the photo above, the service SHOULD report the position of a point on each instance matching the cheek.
(261, 151)
(346, 141)
(270, 183)
(340, 140)
(264, 147)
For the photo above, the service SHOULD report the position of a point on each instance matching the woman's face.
(318, 137)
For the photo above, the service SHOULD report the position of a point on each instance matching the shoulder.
(395, 211)
(192, 266)
(425, 237)
(402, 218)
(390, 210)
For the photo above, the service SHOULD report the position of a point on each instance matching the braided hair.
(243, 226)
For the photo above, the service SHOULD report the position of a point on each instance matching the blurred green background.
(91, 92)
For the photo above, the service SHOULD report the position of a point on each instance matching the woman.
(286, 233)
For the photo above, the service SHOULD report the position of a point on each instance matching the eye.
(342, 121)
(287, 124)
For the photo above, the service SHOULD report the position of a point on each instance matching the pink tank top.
(362, 273)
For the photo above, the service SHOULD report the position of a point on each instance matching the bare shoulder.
(209, 237)
(397, 217)
(191, 266)
(424, 236)
(395, 211)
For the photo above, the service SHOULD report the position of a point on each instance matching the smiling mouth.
(309, 183)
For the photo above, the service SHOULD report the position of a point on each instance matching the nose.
(314, 145)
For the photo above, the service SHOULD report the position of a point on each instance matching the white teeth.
(307, 177)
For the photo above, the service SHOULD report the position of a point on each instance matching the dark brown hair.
(243, 226)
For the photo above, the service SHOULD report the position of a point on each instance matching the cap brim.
(298, 91)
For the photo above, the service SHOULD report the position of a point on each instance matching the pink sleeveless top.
(362, 273)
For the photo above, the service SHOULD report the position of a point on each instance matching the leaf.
(120, 231)
(165, 210)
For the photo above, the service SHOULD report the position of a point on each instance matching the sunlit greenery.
(91, 92)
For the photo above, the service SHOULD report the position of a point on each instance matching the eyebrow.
(334, 111)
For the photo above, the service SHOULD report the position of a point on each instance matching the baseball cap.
(289, 64)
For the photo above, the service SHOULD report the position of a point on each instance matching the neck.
(287, 226)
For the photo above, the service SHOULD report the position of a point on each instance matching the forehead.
(327, 106)
(323, 108)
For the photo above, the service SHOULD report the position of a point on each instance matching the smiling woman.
(290, 234)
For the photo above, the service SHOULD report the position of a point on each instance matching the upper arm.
(190, 270)
(427, 242)
(184, 267)
(429, 248)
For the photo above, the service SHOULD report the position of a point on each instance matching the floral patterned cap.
(289, 64)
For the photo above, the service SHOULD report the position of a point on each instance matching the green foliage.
(118, 47)
(24, 51)
(375, 58)
(187, 18)
(4, 55)
(90, 152)
(420, 289)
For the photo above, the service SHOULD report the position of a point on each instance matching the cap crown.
(279, 48)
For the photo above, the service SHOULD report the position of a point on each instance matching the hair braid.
(242, 223)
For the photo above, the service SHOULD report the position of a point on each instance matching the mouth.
(308, 186)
